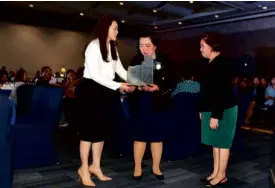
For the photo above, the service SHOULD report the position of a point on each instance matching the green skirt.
(223, 136)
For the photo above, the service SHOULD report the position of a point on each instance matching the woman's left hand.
(214, 123)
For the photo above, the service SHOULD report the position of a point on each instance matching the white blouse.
(100, 71)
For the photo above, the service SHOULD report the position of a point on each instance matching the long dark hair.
(19, 76)
(101, 32)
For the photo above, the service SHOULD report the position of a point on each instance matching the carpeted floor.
(248, 169)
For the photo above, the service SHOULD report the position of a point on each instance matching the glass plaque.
(141, 74)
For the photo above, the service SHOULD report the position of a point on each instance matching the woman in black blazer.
(147, 103)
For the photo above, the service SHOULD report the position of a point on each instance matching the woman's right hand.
(124, 87)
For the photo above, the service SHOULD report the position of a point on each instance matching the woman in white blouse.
(94, 95)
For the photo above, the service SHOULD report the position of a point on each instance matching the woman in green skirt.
(218, 107)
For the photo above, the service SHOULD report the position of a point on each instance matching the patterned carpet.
(248, 169)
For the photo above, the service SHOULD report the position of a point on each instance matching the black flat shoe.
(222, 182)
(137, 178)
(159, 177)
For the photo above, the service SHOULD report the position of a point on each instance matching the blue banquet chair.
(6, 169)
(184, 128)
(33, 141)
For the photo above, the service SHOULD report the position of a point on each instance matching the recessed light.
(191, 2)
(122, 21)
(155, 11)
(156, 27)
(216, 16)
(121, 3)
(81, 14)
(264, 8)
(179, 23)
(30, 5)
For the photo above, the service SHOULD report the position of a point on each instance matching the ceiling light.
(121, 3)
(122, 21)
(179, 23)
(216, 16)
(81, 14)
(30, 5)
(264, 8)
(156, 27)
(260, 6)
(191, 2)
(155, 11)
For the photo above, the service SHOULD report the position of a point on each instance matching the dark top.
(41, 81)
(163, 78)
(217, 91)
(260, 96)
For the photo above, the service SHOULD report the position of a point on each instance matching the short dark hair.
(69, 71)
(214, 40)
(43, 69)
(101, 32)
(148, 35)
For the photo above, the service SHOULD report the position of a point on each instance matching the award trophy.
(143, 74)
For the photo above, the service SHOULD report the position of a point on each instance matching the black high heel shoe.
(137, 178)
(159, 177)
(204, 180)
(222, 182)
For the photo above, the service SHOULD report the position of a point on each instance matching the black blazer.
(216, 92)
(163, 78)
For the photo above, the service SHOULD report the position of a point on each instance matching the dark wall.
(258, 44)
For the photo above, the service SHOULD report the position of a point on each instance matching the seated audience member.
(270, 93)
(187, 85)
(72, 80)
(264, 83)
(11, 76)
(244, 100)
(80, 72)
(257, 101)
(36, 77)
(236, 84)
(69, 100)
(65, 80)
(20, 79)
(270, 96)
(45, 77)
(4, 78)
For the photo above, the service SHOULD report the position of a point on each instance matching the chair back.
(5, 115)
(24, 98)
(46, 104)
(5, 92)
(184, 127)
(6, 169)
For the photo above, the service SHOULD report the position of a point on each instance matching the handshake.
(125, 87)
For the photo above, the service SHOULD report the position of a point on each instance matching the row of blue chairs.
(182, 123)
(6, 170)
(183, 128)
(29, 141)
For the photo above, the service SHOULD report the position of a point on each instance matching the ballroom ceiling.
(153, 15)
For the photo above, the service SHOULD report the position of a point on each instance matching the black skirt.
(94, 116)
